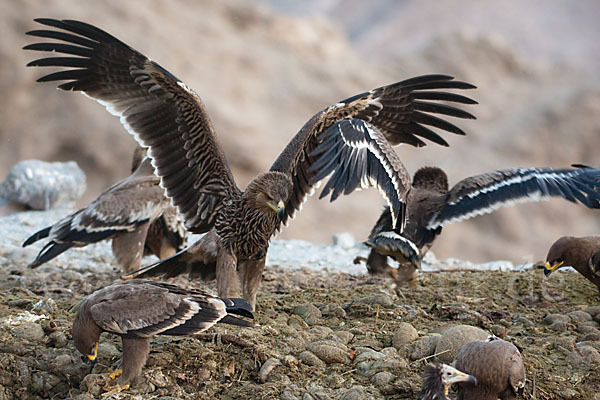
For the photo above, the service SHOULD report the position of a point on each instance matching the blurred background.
(263, 68)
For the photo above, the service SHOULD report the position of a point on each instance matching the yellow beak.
(279, 208)
(548, 269)
(92, 357)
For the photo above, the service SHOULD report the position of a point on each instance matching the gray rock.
(310, 358)
(43, 382)
(316, 393)
(344, 336)
(289, 360)
(584, 354)
(93, 384)
(592, 310)
(42, 185)
(309, 313)
(587, 329)
(28, 331)
(564, 342)
(381, 299)
(454, 337)
(267, 368)
(108, 350)
(330, 351)
(591, 337)
(553, 318)
(320, 332)
(405, 333)
(559, 326)
(290, 392)
(579, 316)
(424, 347)
(524, 321)
(382, 378)
(58, 339)
(355, 393)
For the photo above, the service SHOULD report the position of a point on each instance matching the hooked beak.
(92, 357)
(459, 376)
(548, 268)
(279, 208)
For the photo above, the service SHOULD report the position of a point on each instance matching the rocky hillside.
(262, 73)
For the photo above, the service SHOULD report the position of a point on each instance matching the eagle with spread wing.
(349, 141)
(431, 204)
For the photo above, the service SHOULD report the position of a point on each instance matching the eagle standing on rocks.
(349, 140)
(438, 378)
(430, 205)
(581, 253)
(137, 309)
(498, 367)
(134, 213)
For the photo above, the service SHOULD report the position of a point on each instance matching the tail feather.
(238, 306)
(174, 266)
(50, 250)
(231, 320)
(37, 236)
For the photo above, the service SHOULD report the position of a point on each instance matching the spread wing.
(144, 309)
(485, 193)
(352, 140)
(160, 111)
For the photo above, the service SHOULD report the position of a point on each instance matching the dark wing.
(485, 193)
(144, 309)
(352, 138)
(157, 108)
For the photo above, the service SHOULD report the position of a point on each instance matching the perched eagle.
(438, 378)
(581, 253)
(498, 367)
(350, 140)
(430, 205)
(134, 213)
(137, 309)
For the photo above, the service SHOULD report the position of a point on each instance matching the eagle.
(431, 204)
(349, 142)
(581, 253)
(498, 367)
(134, 213)
(137, 310)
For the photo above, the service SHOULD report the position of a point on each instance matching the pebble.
(157, 378)
(454, 337)
(311, 359)
(309, 313)
(587, 329)
(382, 378)
(594, 323)
(355, 393)
(290, 392)
(320, 332)
(498, 330)
(565, 342)
(579, 316)
(338, 312)
(424, 347)
(108, 350)
(43, 382)
(296, 322)
(381, 299)
(524, 321)
(334, 380)
(330, 351)
(559, 326)
(28, 331)
(316, 393)
(203, 374)
(592, 310)
(344, 336)
(554, 318)
(584, 354)
(58, 339)
(267, 368)
(43, 185)
(591, 337)
(405, 333)
(289, 360)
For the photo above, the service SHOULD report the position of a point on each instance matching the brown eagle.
(134, 213)
(350, 140)
(136, 310)
(431, 204)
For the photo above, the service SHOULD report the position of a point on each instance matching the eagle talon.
(114, 389)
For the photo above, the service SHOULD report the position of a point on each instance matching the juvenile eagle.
(136, 310)
(134, 213)
(438, 378)
(581, 253)
(350, 140)
(430, 205)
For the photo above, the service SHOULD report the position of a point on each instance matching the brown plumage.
(581, 253)
(167, 235)
(438, 378)
(349, 140)
(431, 204)
(498, 367)
(136, 310)
(122, 213)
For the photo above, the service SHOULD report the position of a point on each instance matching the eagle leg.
(250, 272)
(228, 282)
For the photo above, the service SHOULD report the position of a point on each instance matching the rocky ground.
(322, 335)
